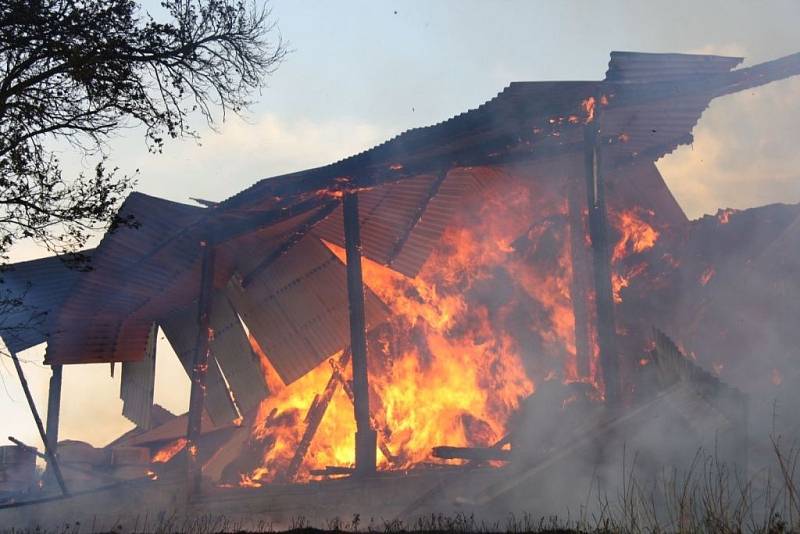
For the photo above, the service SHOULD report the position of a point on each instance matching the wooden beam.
(52, 462)
(366, 437)
(54, 406)
(579, 253)
(199, 370)
(315, 414)
(601, 264)
(475, 454)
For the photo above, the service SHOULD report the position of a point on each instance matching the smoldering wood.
(478, 454)
(181, 330)
(52, 461)
(199, 369)
(601, 263)
(332, 470)
(365, 436)
(581, 273)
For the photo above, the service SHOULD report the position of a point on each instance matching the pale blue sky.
(361, 73)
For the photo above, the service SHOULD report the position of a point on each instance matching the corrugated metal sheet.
(140, 274)
(32, 291)
(181, 330)
(644, 67)
(297, 308)
(137, 385)
(127, 270)
(401, 222)
(143, 273)
(240, 366)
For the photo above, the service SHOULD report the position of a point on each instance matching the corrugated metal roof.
(140, 275)
(128, 267)
(297, 308)
(137, 385)
(646, 67)
(401, 222)
(33, 291)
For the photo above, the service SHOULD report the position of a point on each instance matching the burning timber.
(448, 319)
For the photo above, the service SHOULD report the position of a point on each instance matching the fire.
(455, 359)
(776, 377)
(707, 275)
(588, 108)
(724, 215)
(168, 451)
(637, 235)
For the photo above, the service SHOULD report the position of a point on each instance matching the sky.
(361, 72)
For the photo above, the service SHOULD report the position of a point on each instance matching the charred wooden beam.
(476, 454)
(383, 433)
(366, 437)
(315, 414)
(54, 406)
(52, 462)
(333, 470)
(601, 263)
(576, 196)
(199, 370)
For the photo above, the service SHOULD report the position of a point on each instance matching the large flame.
(488, 316)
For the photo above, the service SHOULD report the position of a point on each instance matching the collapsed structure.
(438, 285)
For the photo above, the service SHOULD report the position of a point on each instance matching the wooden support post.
(601, 263)
(576, 195)
(52, 462)
(54, 406)
(366, 437)
(199, 370)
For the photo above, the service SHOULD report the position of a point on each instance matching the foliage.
(79, 71)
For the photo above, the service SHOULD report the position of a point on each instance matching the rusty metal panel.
(137, 384)
(181, 331)
(297, 308)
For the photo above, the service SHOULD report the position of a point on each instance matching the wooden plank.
(199, 369)
(366, 437)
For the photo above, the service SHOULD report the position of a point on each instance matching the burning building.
(409, 313)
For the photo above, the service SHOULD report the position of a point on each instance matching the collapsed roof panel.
(34, 290)
(132, 264)
(401, 222)
(181, 329)
(137, 385)
(297, 308)
(230, 347)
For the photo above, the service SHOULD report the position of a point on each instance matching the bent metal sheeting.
(140, 275)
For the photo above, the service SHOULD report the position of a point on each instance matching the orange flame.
(448, 368)
(168, 451)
